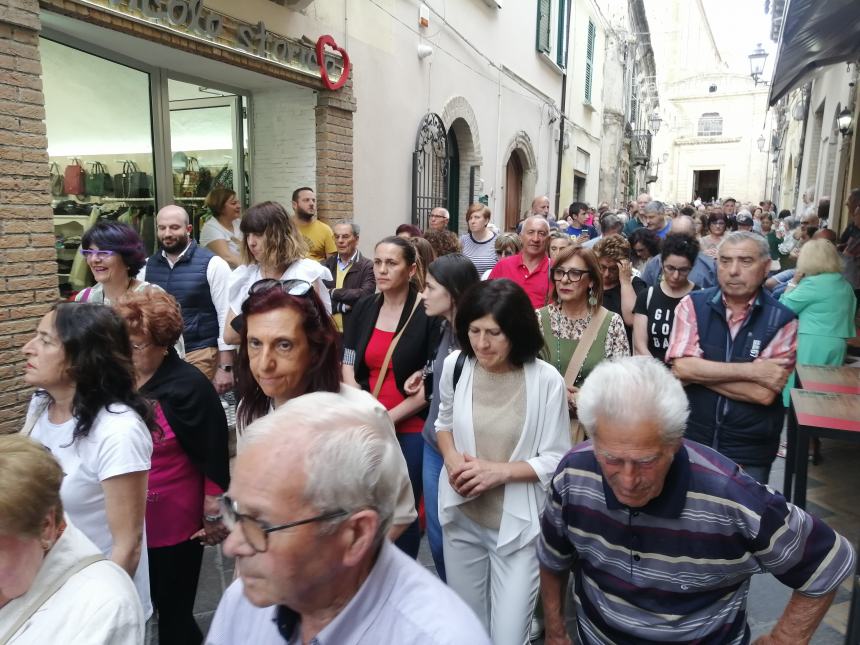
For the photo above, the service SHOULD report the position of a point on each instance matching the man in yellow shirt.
(318, 235)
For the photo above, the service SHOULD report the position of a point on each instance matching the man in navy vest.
(198, 279)
(734, 347)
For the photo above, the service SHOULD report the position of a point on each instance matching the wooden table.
(815, 414)
(839, 380)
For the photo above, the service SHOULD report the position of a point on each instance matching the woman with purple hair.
(115, 254)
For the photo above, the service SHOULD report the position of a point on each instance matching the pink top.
(174, 500)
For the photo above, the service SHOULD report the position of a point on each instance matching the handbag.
(190, 177)
(56, 181)
(577, 432)
(98, 181)
(132, 182)
(74, 178)
(224, 178)
(204, 182)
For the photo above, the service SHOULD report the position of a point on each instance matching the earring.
(46, 545)
(592, 299)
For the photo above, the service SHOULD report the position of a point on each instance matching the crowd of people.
(600, 393)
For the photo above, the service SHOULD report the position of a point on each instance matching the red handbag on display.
(75, 179)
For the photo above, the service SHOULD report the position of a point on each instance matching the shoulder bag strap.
(585, 343)
(384, 369)
(458, 368)
(48, 592)
(31, 421)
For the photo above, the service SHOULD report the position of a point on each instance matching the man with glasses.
(439, 219)
(311, 500)
(734, 347)
(663, 534)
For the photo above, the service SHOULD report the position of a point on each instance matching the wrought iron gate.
(429, 169)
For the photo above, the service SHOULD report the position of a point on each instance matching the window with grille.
(710, 124)
(544, 26)
(589, 60)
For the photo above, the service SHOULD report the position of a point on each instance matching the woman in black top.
(388, 338)
(654, 311)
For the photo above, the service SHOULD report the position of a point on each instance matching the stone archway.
(521, 146)
(462, 125)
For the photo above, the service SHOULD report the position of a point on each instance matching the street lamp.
(655, 121)
(760, 142)
(844, 120)
(757, 59)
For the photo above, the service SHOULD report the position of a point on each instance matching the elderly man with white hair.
(311, 500)
(530, 267)
(663, 534)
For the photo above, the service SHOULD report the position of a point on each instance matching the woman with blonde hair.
(94, 601)
(272, 248)
(478, 244)
(825, 305)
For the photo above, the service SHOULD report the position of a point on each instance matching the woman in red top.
(392, 324)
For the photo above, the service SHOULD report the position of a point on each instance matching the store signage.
(191, 18)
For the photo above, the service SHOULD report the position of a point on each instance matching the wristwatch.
(226, 368)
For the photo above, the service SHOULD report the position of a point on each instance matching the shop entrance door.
(207, 146)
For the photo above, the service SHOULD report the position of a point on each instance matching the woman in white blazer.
(502, 430)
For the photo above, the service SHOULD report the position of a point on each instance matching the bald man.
(530, 267)
(704, 272)
(198, 279)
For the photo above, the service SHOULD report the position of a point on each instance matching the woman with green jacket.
(825, 306)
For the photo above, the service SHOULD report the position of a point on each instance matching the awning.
(815, 33)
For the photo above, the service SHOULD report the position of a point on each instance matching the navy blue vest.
(187, 282)
(747, 433)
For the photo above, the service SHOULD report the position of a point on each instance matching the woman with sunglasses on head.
(189, 461)
(576, 317)
(388, 338)
(654, 311)
(115, 254)
(88, 413)
(289, 347)
(272, 248)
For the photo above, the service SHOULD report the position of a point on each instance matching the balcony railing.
(640, 144)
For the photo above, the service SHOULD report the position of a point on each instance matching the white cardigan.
(544, 441)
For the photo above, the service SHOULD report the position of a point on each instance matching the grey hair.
(442, 210)
(610, 221)
(634, 388)
(356, 229)
(739, 237)
(351, 458)
(654, 207)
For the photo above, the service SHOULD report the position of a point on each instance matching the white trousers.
(500, 589)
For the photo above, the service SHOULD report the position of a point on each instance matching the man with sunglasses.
(310, 502)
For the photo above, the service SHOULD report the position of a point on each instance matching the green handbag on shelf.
(99, 181)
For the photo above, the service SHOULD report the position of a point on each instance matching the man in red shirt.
(530, 267)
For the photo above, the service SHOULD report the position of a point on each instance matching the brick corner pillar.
(334, 140)
(28, 270)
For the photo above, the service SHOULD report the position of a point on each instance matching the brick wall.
(284, 139)
(28, 270)
(334, 139)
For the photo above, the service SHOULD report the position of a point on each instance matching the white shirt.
(218, 277)
(212, 231)
(399, 602)
(118, 443)
(98, 604)
(245, 275)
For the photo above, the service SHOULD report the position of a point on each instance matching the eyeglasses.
(290, 287)
(574, 275)
(668, 268)
(97, 255)
(256, 532)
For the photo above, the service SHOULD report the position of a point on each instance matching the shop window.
(99, 129)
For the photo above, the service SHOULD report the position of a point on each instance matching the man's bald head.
(174, 210)
(683, 224)
(825, 234)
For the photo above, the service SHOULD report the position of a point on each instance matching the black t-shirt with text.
(661, 314)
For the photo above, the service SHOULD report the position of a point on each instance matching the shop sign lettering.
(191, 17)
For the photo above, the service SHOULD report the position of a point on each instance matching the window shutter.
(544, 27)
(589, 60)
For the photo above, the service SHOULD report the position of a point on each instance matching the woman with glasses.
(388, 338)
(272, 248)
(717, 227)
(506, 244)
(502, 429)
(115, 254)
(654, 311)
(88, 413)
(289, 347)
(574, 317)
(189, 462)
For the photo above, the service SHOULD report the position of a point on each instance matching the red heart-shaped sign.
(322, 43)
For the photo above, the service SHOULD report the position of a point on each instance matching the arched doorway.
(429, 169)
(513, 191)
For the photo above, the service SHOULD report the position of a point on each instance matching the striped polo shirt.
(678, 569)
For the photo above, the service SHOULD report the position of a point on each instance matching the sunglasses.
(97, 255)
(289, 287)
